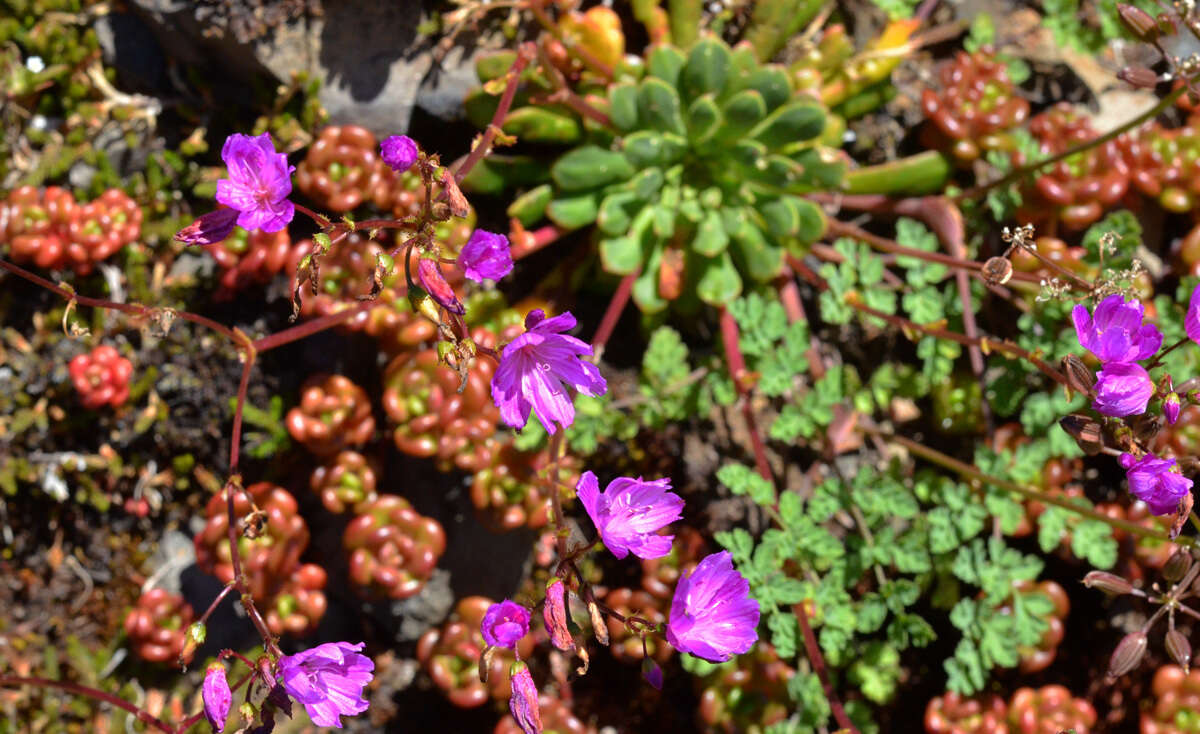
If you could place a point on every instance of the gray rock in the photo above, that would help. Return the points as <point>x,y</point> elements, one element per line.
<point>175,553</point>
<point>448,82</point>
<point>409,618</point>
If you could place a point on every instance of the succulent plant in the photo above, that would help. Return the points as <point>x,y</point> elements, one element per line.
<point>101,377</point>
<point>748,693</point>
<point>973,104</point>
<point>1049,710</point>
<point>450,655</point>
<point>333,413</point>
<point>50,229</point>
<point>1038,658</point>
<point>1176,707</point>
<point>157,625</point>
<point>299,604</point>
<point>953,714</point>
<point>697,185</point>
<point>346,481</point>
<point>254,258</point>
<point>393,549</point>
<point>341,168</point>
<point>626,646</point>
<point>510,491</point>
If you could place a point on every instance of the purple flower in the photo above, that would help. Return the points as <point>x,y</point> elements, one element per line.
<point>554,614</point>
<point>328,679</point>
<point>259,183</point>
<point>217,696</point>
<point>1122,389</point>
<point>1157,482</point>
<point>1117,333</point>
<point>1191,320</point>
<point>434,283</point>
<point>651,672</point>
<point>209,229</point>
<point>629,512</point>
<point>485,255</point>
<point>712,614</point>
<point>536,369</point>
<point>524,701</point>
<point>504,624</point>
<point>1171,407</point>
<point>399,152</point>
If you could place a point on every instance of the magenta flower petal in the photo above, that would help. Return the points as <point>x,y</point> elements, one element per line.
<point>485,256</point>
<point>712,614</point>
<point>1116,333</point>
<point>217,696</point>
<point>259,183</point>
<point>504,624</point>
<point>630,512</point>
<point>1191,321</point>
<point>538,368</point>
<point>1157,482</point>
<point>524,701</point>
<point>328,679</point>
<point>209,229</point>
<point>1122,389</point>
<point>399,152</point>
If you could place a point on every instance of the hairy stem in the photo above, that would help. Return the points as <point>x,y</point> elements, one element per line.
<point>612,314</point>
<point>818,664</point>
<point>524,55</point>
<point>737,368</point>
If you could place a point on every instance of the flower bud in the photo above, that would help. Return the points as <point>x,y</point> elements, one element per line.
<point>1128,654</point>
<point>1179,649</point>
<point>652,673</point>
<point>554,613</point>
<point>485,662</point>
<point>1109,583</point>
<point>424,304</point>
<point>1138,22</point>
<point>524,701</point>
<point>193,638</point>
<point>1177,565</point>
<point>1171,407</point>
<point>599,626</point>
<point>432,280</point>
<point>1139,77</point>
<point>209,229</point>
<point>217,696</point>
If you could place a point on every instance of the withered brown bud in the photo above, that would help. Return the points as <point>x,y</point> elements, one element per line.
<point>1128,654</point>
<point>1146,427</point>
<point>599,626</point>
<point>485,662</point>
<point>997,270</point>
<point>1140,23</point>
<point>1088,433</point>
<point>1110,583</point>
<point>1079,377</point>
<point>1139,77</point>
<point>440,211</point>
<point>1177,565</point>
<point>1179,649</point>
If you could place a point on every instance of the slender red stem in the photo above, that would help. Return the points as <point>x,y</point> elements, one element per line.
<point>737,368</point>
<point>620,299</point>
<point>524,55</point>
<point>818,663</point>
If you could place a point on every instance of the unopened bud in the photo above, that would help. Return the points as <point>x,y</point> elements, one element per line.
<point>485,663</point>
<point>1079,377</point>
<point>651,672</point>
<point>1087,432</point>
<point>209,229</point>
<point>997,270</point>
<point>1171,407</point>
<point>1179,649</point>
<point>424,304</point>
<point>1128,654</point>
<point>599,626</point>
<point>1138,77</point>
<point>1177,565</point>
<point>1139,23</point>
<point>1109,583</point>
<point>247,712</point>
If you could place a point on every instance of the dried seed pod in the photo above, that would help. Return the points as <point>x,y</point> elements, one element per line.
<point>1107,582</point>
<point>1128,653</point>
<point>1177,565</point>
<point>1179,648</point>
<point>1086,431</point>
<point>997,270</point>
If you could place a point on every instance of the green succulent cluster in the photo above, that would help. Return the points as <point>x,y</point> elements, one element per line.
<point>704,168</point>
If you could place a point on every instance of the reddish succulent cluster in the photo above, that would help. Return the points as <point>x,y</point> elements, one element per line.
<point>101,377</point>
<point>1038,658</point>
<point>450,655</point>
<point>157,626</point>
<point>1047,710</point>
<point>1054,250</point>
<point>333,413</point>
<point>341,168</point>
<point>345,482</point>
<point>975,101</point>
<point>50,229</point>
<point>661,575</point>
<point>1176,707</point>
<point>1164,163</point>
<point>557,717</point>
<point>253,258</point>
<point>512,490</point>
<point>393,549</point>
<point>751,695</point>
<point>433,417</point>
<point>272,537</point>
<point>624,644</point>
<point>954,714</point>
<point>1080,188</point>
